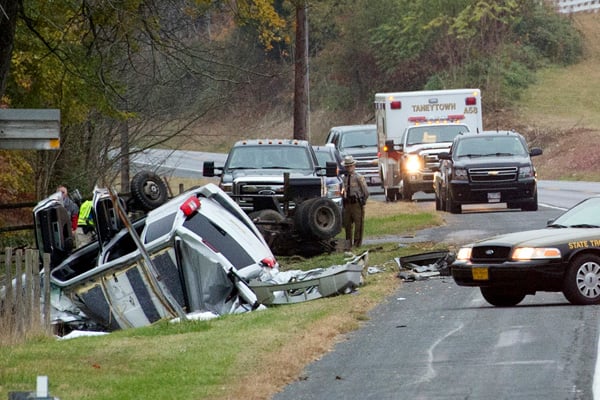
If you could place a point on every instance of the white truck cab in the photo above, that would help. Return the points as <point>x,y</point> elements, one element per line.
<point>413,128</point>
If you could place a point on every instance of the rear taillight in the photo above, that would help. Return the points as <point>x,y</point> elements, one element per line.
<point>190,206</point>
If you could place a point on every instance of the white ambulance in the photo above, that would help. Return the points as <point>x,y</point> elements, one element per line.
<point>413,128</point>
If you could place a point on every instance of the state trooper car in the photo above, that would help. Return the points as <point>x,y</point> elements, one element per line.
<point>563,257</point>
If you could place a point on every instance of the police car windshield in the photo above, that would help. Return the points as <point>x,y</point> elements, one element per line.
<point>434,133</point>
<point>584,215</point>
<point>267,156</point>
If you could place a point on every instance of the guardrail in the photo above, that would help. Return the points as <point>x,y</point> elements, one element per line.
<point>575,6</point>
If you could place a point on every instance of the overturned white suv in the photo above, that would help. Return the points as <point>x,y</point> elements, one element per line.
<point>198,252</point>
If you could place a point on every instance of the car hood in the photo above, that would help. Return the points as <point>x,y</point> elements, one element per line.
<point>276,174</point>
<point>490,162</point>
<point>360,151</point>
<point>541,237</point>
<point>434,147</point>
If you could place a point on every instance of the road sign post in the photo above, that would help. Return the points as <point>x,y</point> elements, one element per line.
<point>29,129</point>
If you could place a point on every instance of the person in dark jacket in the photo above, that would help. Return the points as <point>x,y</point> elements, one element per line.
<point>355,194</point>
<point>71,206</point>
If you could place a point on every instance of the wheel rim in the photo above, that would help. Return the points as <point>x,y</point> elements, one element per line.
<point>151,190</point>
<point>588,279</point>
<point>325,218</point>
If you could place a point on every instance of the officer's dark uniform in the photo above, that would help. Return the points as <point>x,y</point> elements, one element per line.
<point>355,194</point>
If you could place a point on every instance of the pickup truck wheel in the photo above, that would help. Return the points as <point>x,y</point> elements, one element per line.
<point>391,194</point>
<point>407,194</point>
<point>319,217</point>
<point>148,190</point>
<point>582,280</point>
<point>500,297</point>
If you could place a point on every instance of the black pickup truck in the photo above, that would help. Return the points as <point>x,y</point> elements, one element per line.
<point>280,184</point>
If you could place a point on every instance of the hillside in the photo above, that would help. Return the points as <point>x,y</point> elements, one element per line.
<point>559,113</point>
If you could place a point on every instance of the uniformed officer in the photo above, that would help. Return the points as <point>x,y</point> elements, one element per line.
<point>355,193</point>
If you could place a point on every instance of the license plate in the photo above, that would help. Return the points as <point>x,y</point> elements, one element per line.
<point>480,274</point>
<point>494,197</point>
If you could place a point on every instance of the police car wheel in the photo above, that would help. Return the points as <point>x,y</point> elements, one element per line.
<point>148,190</point>
<point>500,297</point>
<point>582,280</point>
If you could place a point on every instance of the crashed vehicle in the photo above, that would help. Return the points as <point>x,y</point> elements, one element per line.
<point>198,252</point>
<point>295,202</point>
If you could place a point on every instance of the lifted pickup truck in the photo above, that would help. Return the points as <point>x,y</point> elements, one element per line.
<point>280,184</point>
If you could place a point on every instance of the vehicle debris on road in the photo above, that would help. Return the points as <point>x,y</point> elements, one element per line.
<point>423,266</point>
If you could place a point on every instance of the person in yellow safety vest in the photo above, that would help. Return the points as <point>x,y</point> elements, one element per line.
<point>85,223</point>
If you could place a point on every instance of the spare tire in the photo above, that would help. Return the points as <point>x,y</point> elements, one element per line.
<point>319,217</point>
<point>148,190</point>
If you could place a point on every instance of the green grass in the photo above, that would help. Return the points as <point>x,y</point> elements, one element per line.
<point>249,355</point>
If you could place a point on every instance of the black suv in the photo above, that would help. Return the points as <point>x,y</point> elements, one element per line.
<point>490,167</point>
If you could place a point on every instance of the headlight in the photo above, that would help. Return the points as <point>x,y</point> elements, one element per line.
<point>533,253</point>
<point>334,190</point>
<point>526,172</point>
<point>460,174</point>
<point>464,254</point>
<point>412,163</point>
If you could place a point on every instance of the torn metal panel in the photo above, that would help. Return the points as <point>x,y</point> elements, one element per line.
<point>299,286</point>
<point>425,265</point>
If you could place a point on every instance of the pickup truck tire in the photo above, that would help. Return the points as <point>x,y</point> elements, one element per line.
<point>391,194</point>
<point>148,190</point>
<point>320,218</point>
<point>407,194</point>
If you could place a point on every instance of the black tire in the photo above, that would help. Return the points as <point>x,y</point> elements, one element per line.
<point>391,194</point>
<point>501,297</point>
<point>438,203</point>
<point>582,280</point>
<point>532,205</point>
<point>407,194</point>
<point>320,218</point>
<point>452,206</point>
<point>267,215</point>
<point>148,190</point>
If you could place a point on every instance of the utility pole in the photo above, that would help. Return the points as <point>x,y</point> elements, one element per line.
<point>301,85</point>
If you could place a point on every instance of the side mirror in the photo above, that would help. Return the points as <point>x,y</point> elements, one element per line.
<point>208,169</point>
<point>444,155</point>
<point>536,151</point>
<point>331,169</point>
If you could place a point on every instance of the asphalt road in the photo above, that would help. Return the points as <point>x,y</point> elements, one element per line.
<point>435,340</point>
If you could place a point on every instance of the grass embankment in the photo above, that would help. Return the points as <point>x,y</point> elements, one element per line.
<point>248,356</point>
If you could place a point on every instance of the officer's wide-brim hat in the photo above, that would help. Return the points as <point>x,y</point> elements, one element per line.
<point>349,160</point>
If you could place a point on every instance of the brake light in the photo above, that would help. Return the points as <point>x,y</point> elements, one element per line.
<point>268,262</point>
<point>396,105</point>
<point>471,101</point>
<point>190,206</point>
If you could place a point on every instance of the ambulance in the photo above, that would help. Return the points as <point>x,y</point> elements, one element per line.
<point>413,128</point>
